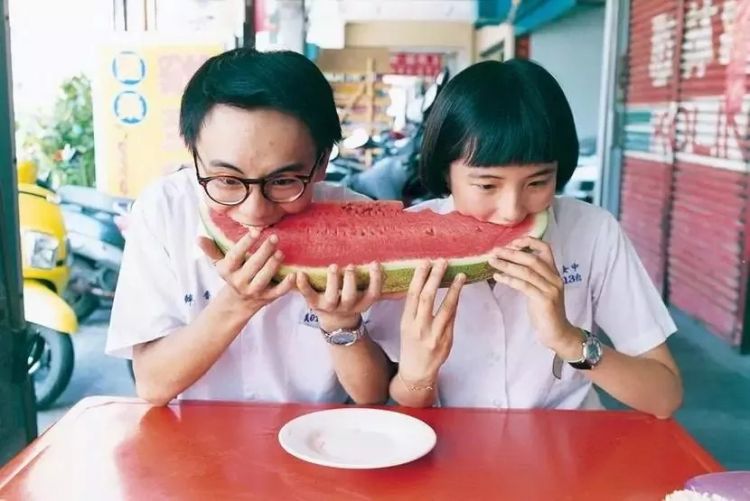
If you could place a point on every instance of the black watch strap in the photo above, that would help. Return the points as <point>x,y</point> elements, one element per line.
<point>584,365</point>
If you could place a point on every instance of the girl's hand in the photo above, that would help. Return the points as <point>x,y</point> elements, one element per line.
<point>426,335</point>
<point>528,266</point>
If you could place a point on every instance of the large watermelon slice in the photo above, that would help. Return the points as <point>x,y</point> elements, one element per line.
<point>361,232</point>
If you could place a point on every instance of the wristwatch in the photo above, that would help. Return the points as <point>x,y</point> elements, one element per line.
<point>591,352</point>
<point>345,337</point>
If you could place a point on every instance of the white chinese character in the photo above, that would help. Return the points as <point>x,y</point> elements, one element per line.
<point>731,131</point>
<point>662,123</point>
<point>698,46</point>
<point>662,49</point>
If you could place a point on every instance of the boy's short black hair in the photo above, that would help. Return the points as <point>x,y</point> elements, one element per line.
<point>493,114</point>
<point>246,78</point>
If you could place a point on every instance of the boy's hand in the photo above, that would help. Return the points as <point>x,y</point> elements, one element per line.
<point>249,277</point>
<point>341,305</point>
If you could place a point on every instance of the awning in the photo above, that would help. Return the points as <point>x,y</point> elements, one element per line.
<point>531,14</point>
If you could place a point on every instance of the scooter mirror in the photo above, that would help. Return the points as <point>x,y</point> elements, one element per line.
<point>68,153</point>
<point>441,77</point>
<point>334,153</point>
<point>357,139</point>
<point>429,97</point>
<point>45,181</point>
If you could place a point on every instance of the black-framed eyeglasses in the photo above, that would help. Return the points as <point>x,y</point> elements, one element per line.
<point>233,190</point>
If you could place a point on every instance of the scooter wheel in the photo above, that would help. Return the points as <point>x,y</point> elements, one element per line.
<point>52,372</point>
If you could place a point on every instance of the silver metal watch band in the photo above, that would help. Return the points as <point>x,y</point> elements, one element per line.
<point>337,336</point>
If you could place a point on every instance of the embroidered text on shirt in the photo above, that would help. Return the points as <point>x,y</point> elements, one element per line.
<point>310,319</point>
<point>570,274</point>
<point>189,299</point>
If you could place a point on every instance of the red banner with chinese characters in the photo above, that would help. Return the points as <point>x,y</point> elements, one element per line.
<point>416,63</point>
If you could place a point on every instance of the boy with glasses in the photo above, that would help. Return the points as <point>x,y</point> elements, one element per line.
<point>200,324</point>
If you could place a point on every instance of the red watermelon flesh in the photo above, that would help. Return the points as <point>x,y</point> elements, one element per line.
<point>358,233</point>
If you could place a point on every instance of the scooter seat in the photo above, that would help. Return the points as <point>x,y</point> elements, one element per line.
<point>93,199</point>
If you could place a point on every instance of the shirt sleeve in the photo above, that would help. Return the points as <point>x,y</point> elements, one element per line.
<point>145,306</point>
<point>626,304</point>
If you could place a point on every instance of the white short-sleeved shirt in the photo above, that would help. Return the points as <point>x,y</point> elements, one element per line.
<point>497,360</point>
<point>165,281</point>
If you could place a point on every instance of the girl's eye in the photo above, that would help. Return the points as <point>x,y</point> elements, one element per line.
<point>484,187</point>
<point>537,184</point>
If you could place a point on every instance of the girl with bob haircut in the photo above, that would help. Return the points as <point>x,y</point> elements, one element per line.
<point>499,144</point>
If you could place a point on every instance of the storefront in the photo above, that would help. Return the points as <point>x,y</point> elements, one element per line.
<point>681,96</point>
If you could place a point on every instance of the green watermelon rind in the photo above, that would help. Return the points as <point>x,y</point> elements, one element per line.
<point>398,274</point>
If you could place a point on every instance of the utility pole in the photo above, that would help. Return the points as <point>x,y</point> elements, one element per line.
<point>17,407</point>
<point>248,27</point>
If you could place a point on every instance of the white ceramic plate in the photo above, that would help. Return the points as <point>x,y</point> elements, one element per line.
<point>357,438</point>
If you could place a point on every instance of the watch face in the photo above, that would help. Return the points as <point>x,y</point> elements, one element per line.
<point>342,338</point>
<point>592,350</point>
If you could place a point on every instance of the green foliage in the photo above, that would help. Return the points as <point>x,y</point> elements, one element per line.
<point>70,126</point>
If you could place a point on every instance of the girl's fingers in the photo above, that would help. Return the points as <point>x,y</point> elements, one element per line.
<point>421,272</point>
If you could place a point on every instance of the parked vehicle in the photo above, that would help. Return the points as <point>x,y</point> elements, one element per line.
<point>586,175</point>
<point>395,175</point>
<point>96,222</point>
<point>45,267</point>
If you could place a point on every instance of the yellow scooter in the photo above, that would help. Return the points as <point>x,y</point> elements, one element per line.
<point>46,261</point>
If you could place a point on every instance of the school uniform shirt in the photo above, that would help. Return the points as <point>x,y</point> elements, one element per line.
<point>166,280</point>
<point>497,359</point>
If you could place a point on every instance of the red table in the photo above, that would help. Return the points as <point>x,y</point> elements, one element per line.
<point>114,448</point>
